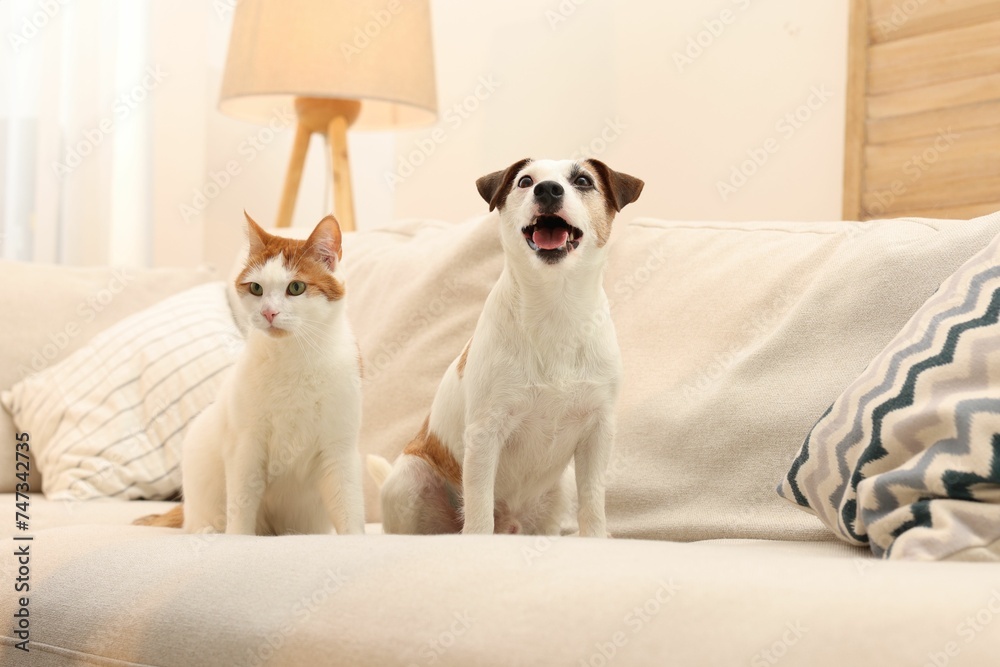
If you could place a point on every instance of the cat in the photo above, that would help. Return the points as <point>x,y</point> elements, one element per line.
<point>276,453</point>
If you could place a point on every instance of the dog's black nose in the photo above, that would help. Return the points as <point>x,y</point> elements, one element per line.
<point>548,192</point>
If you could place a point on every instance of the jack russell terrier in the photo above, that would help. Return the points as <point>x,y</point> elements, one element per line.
<point>536,385</point>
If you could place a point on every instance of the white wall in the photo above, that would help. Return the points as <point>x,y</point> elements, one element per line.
<point>567,71</point>
<point>542,78</point>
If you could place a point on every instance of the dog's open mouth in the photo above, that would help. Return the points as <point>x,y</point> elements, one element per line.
<point>551,235</point>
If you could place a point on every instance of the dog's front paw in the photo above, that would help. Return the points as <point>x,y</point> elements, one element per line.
<point>599,531</point>
<point>480,528</point>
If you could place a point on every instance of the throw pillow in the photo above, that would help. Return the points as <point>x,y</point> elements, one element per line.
<point>108,420</point>
<point>907,459</point>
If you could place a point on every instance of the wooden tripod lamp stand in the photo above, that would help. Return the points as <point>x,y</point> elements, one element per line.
<point>330,118</point>
<point>338,64</point>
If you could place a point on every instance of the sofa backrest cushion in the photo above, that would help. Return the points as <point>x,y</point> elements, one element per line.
<point>907,459</point>
<point>735,338</point>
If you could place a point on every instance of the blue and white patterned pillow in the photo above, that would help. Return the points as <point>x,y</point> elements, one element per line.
<point>907,459</point>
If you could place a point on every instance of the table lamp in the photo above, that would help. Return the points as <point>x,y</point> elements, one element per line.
<point>338,63</point>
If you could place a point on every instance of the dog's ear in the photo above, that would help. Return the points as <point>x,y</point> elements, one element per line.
<point>494,187</point>
<point>619,189</point>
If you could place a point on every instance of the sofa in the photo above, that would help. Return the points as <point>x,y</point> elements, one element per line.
<point>736,336</point>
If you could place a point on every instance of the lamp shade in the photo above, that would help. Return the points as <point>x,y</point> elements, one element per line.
<point>379,52</point>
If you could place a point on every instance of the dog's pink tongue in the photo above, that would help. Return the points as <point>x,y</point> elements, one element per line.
<point>550,239</point>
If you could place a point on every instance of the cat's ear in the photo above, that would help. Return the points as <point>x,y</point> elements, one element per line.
<point>324,242</point>
<point>256,235</point>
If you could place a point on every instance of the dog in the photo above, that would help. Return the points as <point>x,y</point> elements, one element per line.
<point>535,387</point>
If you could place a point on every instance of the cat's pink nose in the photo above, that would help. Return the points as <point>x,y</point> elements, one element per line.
<point>269,315</point>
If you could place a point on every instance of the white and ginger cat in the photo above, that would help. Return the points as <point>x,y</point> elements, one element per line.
<point>276,453</point>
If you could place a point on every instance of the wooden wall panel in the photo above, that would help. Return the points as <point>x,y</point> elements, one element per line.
<point>893,20</point>
<point>923,109</point>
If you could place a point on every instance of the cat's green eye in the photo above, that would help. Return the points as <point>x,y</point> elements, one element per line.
<point>256,289</point>
<point>296,287</point>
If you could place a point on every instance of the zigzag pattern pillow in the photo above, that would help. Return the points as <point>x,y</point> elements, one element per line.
<point>907,459</point>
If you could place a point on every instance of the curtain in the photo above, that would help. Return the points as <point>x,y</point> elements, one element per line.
<point>112,148</point>
<point>75,131</point>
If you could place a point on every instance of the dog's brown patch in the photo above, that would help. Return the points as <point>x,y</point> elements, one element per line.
<point>428,447</point>
<point>172,519</point>
<point>310,261</point>
<point>617,190</point>
<point>464,358</point>
<point>495,187</point>
<point>600,217</point>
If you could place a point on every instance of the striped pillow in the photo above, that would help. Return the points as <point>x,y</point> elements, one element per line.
<point>108,420</point>
<point>907,459</point>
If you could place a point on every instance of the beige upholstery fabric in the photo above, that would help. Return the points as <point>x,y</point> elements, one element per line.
<point>905,460</point>
<point>46,514</point>
<point>736,346</point>
<point>414,294</point>
<point>55,310</point>
<point>147,596</point>
<point>735,338</point>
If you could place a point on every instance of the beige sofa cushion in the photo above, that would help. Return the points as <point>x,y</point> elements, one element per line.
<point>735,338</point>
<point>107,595</point>
<point>55,310</point>
<point>46,513</point>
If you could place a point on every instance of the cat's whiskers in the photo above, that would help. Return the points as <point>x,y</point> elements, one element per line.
<point>308,334</point>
